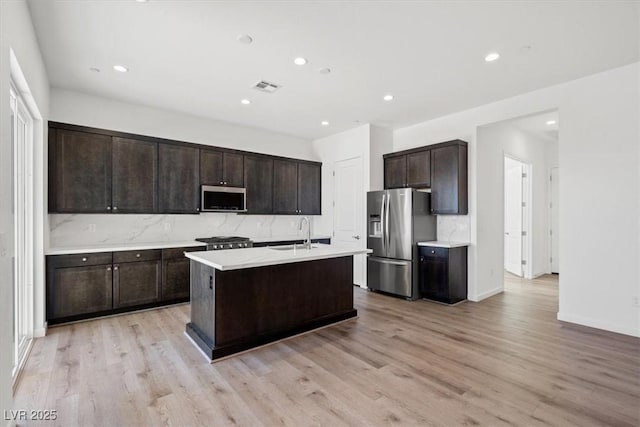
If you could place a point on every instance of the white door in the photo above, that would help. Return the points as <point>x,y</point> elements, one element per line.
<point>555,229</point>
<point>348,213</point>
<point>513,216</point>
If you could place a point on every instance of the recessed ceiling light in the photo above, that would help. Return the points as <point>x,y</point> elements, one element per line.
<point>492,57</point>
<point>94,69</point>
<point>388,97</point>
<point>245,102</point>
<point>551,122</point>
<point>245,38</point>
<point>324,123</point>
<point>325,70</point>
<point>300,61</point>
<point>120,68</point>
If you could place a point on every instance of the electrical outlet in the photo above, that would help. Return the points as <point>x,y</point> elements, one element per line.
<point>92,228</point>
<point>636,301</point>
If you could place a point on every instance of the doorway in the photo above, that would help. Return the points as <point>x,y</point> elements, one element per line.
<point>22,198</point>
<point>517,215</point>
<point>348,211</point>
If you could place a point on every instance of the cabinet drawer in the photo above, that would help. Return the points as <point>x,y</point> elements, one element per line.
<point>79,260</point>
<point>434,252</point>
<point>173,253</point>
<point>133,256</point>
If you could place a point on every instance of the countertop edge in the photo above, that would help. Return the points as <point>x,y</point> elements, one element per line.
<point>121,247</point>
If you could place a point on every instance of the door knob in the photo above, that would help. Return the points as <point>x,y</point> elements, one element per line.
<point>357,237</point>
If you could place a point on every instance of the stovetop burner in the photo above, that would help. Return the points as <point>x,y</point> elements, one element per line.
<point>226,242</point>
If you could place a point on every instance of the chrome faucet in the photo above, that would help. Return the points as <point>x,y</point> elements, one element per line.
<point>307,242</point>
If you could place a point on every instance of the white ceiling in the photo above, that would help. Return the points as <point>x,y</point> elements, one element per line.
<point>184,56</point>
<point>536,124</point>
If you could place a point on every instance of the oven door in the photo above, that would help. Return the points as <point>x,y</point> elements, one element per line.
<point>223,199</point>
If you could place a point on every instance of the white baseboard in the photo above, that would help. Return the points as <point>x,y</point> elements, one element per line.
<point>485,295</point>
<point>41,332</point>
<point>598,324</point>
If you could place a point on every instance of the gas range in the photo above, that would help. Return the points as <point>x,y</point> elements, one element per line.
<point>226,242</point>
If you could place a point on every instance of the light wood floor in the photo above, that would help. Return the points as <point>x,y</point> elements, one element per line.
<point>504,361</point>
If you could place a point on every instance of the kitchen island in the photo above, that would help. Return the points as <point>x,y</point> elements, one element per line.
<point>244,298</point>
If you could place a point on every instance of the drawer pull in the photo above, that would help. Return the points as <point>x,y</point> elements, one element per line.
<point>84,259</point>
<point>433,252</point>
<point>115,267</point>
<point>137,255</point>
<point>108,268</point>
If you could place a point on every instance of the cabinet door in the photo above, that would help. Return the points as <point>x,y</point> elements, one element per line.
<point>419,169</point>
<point>82,172</point>
<point>73,291</point>
<point>309,189</point>
<point>211,167</point>
<point>434,279</point>
<point>136,283</point>
<point>179,178</point>
<point>175,279</point>
<point>233,166</point>
<point>449,180</point>
<point>258,179</point>
<point>135,176</point>
<point>395,172</point>
<point>285,187</point>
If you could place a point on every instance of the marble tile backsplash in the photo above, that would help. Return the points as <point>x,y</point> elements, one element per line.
<point>454,228</point>
<point>83,229</point>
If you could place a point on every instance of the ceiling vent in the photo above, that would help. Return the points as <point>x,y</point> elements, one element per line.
<point>265,86</point>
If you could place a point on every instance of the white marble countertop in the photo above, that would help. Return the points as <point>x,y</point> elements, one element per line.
<point>443,244</point>
<point>288,238</point>
<point>115,247</point>
<point>235,259</point>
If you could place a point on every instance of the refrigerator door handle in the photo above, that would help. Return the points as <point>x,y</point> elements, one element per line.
<point>388,261</point>
<point>384,232</point>
<point>386,218</point>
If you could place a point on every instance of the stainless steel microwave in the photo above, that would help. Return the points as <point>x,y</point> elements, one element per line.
<point>223,199</point>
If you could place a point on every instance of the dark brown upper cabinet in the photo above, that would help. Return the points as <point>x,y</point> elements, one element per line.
<point>80,172</point>
<point>285,187</point>
<point>221,168</point>
<point>135,176</point>
<point>258,180</point>
<point>309,188</point>
<point>441,167</point>
<point>179,178</point>
<point>419,169</point>
<point>449,179</point>
<point>395,172</point>
<point>408,170</point>
<point>296,188</point>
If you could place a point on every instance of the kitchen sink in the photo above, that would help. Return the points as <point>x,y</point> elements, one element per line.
<point>291,247</point>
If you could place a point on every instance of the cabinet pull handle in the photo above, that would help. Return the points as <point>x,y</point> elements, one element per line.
<point>84,259</point>
<point>220,182</point>
<point>108,268</point>
<point>137,255</point>
<point>115,267</point>
<point>108,208</point>
<point>115,208</point>
<point>433,252</point>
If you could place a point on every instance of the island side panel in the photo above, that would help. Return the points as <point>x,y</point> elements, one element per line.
<point>202,327</point>
<point>273,301</point>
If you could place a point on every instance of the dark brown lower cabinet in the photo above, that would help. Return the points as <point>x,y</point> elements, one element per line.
<point>175,273</point>
<point>443,274</point>
<point>95,284</point>
<point>136,283</point>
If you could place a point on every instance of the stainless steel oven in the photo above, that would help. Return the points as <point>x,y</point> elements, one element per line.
<point>223,199</point>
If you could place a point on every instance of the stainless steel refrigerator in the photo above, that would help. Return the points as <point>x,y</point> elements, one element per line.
<point>397,220</point>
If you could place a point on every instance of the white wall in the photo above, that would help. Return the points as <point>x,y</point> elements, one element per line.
<point>496,141</point>
<point>599,189</point>
<point>381,142</point>
<point>87,110</point>
<point>16,33</point>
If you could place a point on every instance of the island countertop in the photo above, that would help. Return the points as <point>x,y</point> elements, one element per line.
<point>236,259</point>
